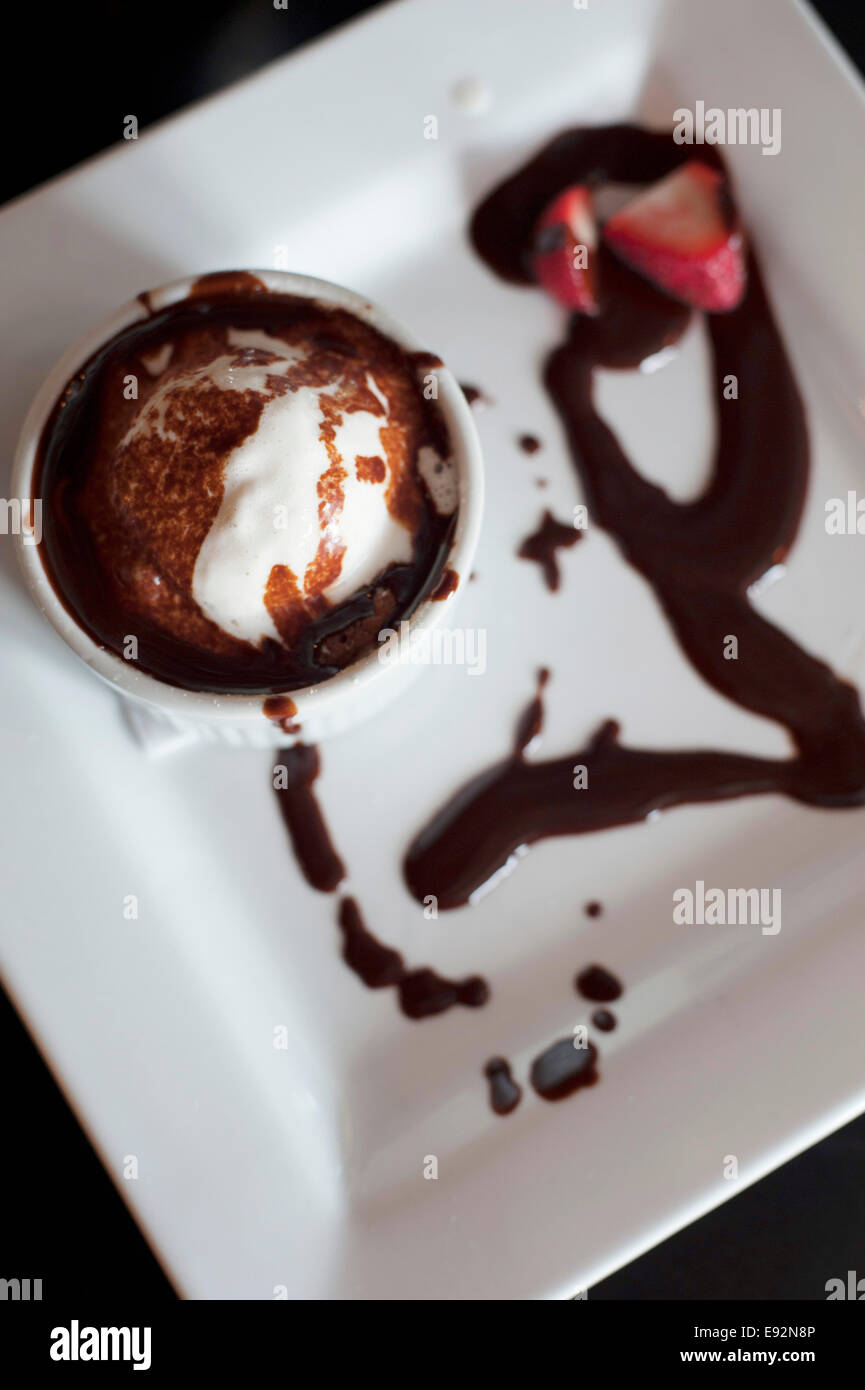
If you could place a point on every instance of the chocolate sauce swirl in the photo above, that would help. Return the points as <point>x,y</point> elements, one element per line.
<point>700,557</point>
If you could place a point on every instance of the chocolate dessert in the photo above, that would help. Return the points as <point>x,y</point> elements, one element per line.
<point>250,484</point>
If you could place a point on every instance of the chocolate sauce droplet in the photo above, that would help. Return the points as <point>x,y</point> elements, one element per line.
<point>426,361</point>
<point>563,1069</point>
<point>298,805</point>
<point>282,709</point>
<point>446,585</point>
<point>593,909</point>
<point>598,984</point>
<point>472,393</point>
<point>218,283</point>
<point>505,1093</point>
<point>603,1019</point>
<point>542,545</point>
<point>529,443</point>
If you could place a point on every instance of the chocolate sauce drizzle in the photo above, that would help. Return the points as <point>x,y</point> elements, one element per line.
<point>422,992</point>
<point>505,1093</point>
<point>699,557</point>
<point>563,1068</point>
<point>541,546</point>
<point>299,808</point>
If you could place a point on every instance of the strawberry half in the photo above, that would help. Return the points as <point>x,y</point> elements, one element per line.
<point>563,250</point>
<point>683,235</point>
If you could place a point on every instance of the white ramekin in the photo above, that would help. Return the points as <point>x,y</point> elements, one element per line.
<point>324,709</point>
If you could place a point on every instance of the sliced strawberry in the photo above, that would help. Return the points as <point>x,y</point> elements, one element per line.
<point>563,250</point>
<point>683,235</point>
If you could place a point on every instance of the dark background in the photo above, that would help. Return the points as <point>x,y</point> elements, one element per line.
<point>85,67</point>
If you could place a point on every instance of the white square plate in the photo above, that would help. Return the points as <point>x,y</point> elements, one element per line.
<point>303,1168</point>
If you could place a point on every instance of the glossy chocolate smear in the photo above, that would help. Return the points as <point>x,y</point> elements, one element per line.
<point>699,557</point>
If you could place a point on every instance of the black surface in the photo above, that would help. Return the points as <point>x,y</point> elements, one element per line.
<point>61,1219</point>
<point>101,60</point>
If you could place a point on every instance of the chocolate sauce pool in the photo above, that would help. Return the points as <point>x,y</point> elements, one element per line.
<point>87,558</point>
<point>699,557</point>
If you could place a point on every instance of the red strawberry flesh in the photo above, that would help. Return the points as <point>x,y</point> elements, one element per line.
<point>564,249</point>
<point>683,235</point>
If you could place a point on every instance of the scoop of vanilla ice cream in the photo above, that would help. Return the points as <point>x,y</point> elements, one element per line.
<point>273,510</point>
